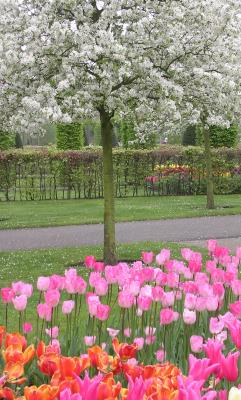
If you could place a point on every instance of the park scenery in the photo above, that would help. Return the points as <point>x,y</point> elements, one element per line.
<point>120,200</point>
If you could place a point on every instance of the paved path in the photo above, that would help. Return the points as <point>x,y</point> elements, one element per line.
<point>194,230</point>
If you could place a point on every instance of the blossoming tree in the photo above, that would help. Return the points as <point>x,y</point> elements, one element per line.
<point>62,60</point>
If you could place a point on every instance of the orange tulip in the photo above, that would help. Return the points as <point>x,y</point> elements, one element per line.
<point>7,394</point>
<point>98,358</point>
<point>2,334</point>
<point>123,350</point>
<point>15,338</point>
<point>43,392</point>
<point>49,363</point>
<point>40,350</point>
<point>13,353</point>
<point>14,370</point>
<point>108,389</point>
<point>28,354</point>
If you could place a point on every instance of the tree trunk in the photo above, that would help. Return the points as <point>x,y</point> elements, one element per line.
<point>109,202</point>
<point>209,169</point>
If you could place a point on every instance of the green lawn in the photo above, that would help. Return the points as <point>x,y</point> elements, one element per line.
<point>28,265</point>
<point>68,212</point>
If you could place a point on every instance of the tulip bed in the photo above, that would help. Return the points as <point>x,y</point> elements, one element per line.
<point>157,329</point>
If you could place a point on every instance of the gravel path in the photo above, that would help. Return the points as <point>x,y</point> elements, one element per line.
<point>194,230</point>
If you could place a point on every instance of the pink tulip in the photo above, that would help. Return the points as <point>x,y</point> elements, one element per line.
<point>80,285</point>
<point>147,257</point>
<point>186,253</point>
<point>157,293</point>
<point>69,286</point>
<point>150,339</point>
<point>89,340</point>
<point>168,299</point>
<point>189,317</point>
<point>196,343</point>
<point>160,355</point>
<point>52,297</point>
<point>43,283</point>
<point>90,261</point>
<point>215,325</point>
<point>163,256</point>
<point>99,266</point>
<point>27,327</point>
<point>7,295</point>
<point>213,350</point>
<point>201,304</point>
<point>113,332</point>
<point>127,332</point>
<point>125,299</point>
<point>236,287</point>
<point>101,287</point>
<point>137,388</point>
<point>144,303</point>
<point>111,274</point>
<point>189,389</point>
<point>88,387</point>
<point>68,306</point>
<point>212,303</point>
<point>212,244</point>
<point>229,367</point>
<point>149,330</point>
<point>222,336</point>
<point>103,312</point>
<point>54,347</point>
<point>238,252</point>
<point>71,273</point>
<point>20,302</point>
<point>57,282</point>
<point>190,301</point>
<point>139,341</point>
<point>235,308</point>
<point>54,332</point>
<point>94,277</point>
<point>201,369</point>
<point>66,394</point>
<point>93,301</point>
<point>17,287</point>
<point>44,311</point>
<point>167,316</point>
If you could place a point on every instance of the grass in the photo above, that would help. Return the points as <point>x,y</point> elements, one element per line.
<point>73,212</point>
<point>28,265</point>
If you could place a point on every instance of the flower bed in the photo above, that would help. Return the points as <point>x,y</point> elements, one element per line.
<point>157,329</point>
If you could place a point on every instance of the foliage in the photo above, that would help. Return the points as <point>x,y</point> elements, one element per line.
<point>189,136</point>
<point>221,137</point>
<point>50,174</point>
<point>70,136</point>
<point>7,140</point>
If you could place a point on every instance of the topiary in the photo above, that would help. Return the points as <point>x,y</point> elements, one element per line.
<point>221,137</point>
<point>70,136</point>
<point>189,136</point>
<point>7,140</point>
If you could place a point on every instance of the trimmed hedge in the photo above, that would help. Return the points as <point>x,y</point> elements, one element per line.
<point>7,140</point>
<point>48,174</point>
<point>70,136</point>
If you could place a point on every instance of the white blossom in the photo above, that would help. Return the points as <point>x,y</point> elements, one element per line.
<point>158,62</point>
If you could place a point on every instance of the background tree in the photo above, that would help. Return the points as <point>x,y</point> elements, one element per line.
<point>64,60</point>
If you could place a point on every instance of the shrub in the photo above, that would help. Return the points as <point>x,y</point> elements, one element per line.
<point>7,140</point>
<point>70,136</point>
<point>221,137</point>
<point>49,174</point>
<point>189,136</point>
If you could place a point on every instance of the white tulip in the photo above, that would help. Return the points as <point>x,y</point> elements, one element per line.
<point>234,394</point>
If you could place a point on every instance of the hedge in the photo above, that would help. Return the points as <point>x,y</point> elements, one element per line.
<point>48,174</point>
